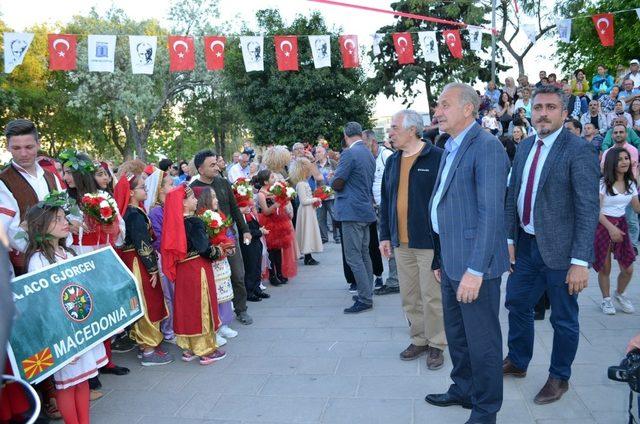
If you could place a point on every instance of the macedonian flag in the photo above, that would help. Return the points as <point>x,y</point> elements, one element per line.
<point>37,363</point>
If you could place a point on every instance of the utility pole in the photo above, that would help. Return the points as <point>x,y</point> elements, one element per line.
<point>493,40</point>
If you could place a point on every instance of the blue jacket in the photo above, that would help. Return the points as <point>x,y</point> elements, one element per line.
<point>601,82</point>
<point>471,210</point>
<point>356,168</point>
<point>422,179</point>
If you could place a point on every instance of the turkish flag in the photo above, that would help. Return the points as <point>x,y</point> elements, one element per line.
<point>181,53</point>
<point>286,52</point>
<point>214,52</point>
<point>604,26</point>
<point>62,52</point>
<point>349,51</point>
<point>404,47</point>
<point>452,38</point>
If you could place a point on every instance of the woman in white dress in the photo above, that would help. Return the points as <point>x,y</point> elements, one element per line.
<point>307,228</point>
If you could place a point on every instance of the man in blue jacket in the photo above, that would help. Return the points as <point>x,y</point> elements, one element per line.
<point>353,207</point>
<point>408,181</point>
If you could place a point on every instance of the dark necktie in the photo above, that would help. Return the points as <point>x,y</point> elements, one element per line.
<point>528,194</point>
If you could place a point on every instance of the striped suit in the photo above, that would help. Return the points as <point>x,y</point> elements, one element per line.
<point>470,215</point>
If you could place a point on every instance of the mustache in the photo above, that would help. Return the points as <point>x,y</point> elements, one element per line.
<point>543,120</point>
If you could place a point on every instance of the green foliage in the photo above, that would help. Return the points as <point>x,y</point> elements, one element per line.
<point>399,81</point>
<point>585,50</point>
<point>286,107</point>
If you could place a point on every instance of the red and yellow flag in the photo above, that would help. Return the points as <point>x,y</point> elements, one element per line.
<point>37,363</point>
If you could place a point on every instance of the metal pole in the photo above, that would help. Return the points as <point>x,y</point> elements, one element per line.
<point>493,40</point>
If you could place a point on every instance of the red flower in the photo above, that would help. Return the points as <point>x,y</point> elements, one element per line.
<point>106,212</point>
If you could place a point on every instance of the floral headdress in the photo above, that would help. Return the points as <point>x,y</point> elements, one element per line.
<point>70,159</point>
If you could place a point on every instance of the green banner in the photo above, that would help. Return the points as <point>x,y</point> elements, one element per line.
<point>67,308</point>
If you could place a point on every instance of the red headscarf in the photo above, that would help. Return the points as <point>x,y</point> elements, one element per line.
<point>173,246</point>
<point>122,193</point>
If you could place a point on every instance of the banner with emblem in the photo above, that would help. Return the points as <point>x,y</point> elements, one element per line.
<point>67,308</point>
<point>101,52</point>
<point>16,45</point>
<point>142,49</point>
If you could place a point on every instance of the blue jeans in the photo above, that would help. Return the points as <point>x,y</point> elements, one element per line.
<point>531,277</point>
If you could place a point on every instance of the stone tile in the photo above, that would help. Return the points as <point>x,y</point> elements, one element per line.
<point>370,411</point>
<point>198,406</point>
<point>176,420</point>
<point>318,365</point>
<point>266,365</point>
<point>604,398</point>
<point>376,366</point>
<point>316,349</point>
<point>400,387</point>
<point>230,384</point>
<point>106,417</point>
<point>348,335</point>
<point>426,413</point>
<point>514,412</point>
<point>157,404</point>
<point>310,386</point>
<point>268,408</point>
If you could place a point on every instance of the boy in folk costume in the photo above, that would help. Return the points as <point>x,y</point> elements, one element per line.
<point>138,254</point>
<point>187,257</point>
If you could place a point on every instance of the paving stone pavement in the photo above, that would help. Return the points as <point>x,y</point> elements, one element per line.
<point>304,361</point>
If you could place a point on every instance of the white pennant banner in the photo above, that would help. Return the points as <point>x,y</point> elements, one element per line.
<point>475,39</point>
<point>530,31</point>
<point>638,12</point>
<point>142,49</point>
<point>564,29</point>
<point>429,46</point>
<point>16,45</point>
<point>102,53</point>
<point>321,50</point>
<point>252,52</point>
<point>376,39</point>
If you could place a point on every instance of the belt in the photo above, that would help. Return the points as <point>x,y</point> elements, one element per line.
<point>527,235</point>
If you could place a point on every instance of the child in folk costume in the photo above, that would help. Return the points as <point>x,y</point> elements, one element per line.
<point>104,177</point>
<point>252,253</point>
<point>162,186</point>
<point>307,228</point>
<point>276,218</point>
<point>47,229</point>
<point>207,200</point>
<point>79,173</point>
<point>138,255</point>
<point>187,257</point>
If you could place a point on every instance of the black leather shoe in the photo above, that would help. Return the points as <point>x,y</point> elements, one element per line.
<point>445,399</point>
<point>263,295</point>
<point>310,261</point>
<point>115,370</point>
<point>252,297</point>
<point>386,290</point>
<point>282,279</point>
<point>357,308</point>
<point>275,281</point>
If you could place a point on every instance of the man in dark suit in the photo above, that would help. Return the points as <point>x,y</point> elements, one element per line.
<point>552,210</point>
<point>467,216</point>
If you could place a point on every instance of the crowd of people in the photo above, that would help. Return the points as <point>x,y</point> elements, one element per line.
<point>451,207</point>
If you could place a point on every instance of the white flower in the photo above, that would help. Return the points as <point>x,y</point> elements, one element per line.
<point>242,190</point>
<point>290,191</point>
<point>104,204</point>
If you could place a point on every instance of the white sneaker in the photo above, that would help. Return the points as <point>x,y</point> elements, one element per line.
<point>624,302</point>
<point>262,287</point>
<point>220,341</point>
<point>227,332</point>
<point>607,306</point>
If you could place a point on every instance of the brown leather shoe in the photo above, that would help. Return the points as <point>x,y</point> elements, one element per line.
<point>413,352</point>
<point>509,369</point>
<point>435,358</point>
<point>552,391</point>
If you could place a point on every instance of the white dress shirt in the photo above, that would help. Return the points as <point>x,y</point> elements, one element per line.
<point>544,152</point>
<point>9,210</point>
<point>237,171</point>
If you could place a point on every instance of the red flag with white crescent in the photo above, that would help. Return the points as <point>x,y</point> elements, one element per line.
<point>349,51</point>
<point>214,52</point>
<point>286,52</point>
<point>181,53</point>
<point>452,38</point>
<point>62,52</point>
<point>404,47</point>
<point>604,26</point>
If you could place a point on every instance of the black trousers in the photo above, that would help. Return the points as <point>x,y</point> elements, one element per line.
<point>374,253</point>
<point>252,259</point>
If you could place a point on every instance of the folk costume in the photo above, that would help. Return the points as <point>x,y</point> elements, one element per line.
<point>139,256</point>
<point>187,258</point>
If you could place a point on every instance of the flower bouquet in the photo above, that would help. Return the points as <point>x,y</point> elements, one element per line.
<point>100,213</point>
<point>243,192</point>
<point>282,192</point>
<point>322,193</point>
<point>217,224</point>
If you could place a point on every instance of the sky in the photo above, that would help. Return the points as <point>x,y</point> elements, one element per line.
<point>352,21</point>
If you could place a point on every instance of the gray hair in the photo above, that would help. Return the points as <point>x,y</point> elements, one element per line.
<point>467,95</point>
<point>369,135</point>
<point>411,118</point>
<point>352,129</point>
<point>551,89</point>
<point>297,145</point>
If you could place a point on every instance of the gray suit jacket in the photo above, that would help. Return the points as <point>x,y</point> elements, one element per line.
<point>567,206</point>
<point>471,210</point>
